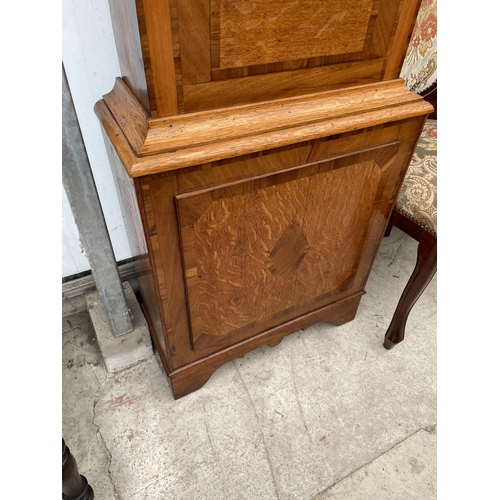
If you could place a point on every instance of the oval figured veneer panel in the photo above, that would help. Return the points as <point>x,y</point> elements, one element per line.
<point>269,31</point>
<point>260,250</point>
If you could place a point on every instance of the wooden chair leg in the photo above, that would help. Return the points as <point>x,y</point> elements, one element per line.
<point>74,486</point>
<point>425,269</point>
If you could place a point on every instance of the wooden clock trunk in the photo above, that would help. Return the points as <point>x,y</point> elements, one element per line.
<point>259,149</point>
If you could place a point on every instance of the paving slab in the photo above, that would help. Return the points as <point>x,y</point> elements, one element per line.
<point>83,373</point>
<point>408,471</point>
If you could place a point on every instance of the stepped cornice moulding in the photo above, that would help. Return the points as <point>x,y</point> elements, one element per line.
<point>148,145</point>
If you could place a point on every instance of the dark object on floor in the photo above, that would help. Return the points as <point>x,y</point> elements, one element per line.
<point>74,485</point>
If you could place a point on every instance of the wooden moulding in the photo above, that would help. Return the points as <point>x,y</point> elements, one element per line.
<point>148,145</point>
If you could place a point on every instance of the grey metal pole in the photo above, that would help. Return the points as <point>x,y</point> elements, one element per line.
<point>84,200</point>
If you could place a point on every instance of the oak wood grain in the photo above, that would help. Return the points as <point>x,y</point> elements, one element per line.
<point>148,136</point>
<point>198,155</point>
<point>265,87</point>
<point>222,124</point>
<point>199,137</point>
<point>303,255</point>
<point>166,252</point>
<point>261,51</point>
<point>287,64</point>
<point>192,55</point>
<point>263,238</point>
<point>267,31</point>
<point>266,154</point>
<point>128,113</point>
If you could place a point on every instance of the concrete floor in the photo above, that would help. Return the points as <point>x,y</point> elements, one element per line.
<point>327,414</point>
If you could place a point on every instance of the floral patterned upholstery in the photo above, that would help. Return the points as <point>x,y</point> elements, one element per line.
<point>418,196</point>
<point>420,65</point>
<point>417,199</point>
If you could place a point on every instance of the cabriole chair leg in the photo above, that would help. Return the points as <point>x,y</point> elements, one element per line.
<point>424,271</point>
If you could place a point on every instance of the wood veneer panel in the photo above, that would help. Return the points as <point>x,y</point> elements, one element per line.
<point>385,27</point>
<point>189,55</point>
<point>258,249</point>
<point>258,88</point>
<point>194,37</point>
<point>160,49</point>
<point>160,222</point>
<point>268,31</point>
<point>233,169</point>
<point>337,145</point>
<point>227,249</point>
<point>261,50</point>
<point>264,162</point>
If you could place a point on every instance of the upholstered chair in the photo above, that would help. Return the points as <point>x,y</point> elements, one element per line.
<point>415,211</point>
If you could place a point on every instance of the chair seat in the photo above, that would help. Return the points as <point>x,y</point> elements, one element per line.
<point>417,199</point>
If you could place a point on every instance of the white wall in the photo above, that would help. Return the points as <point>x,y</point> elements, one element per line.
<point>91,63</point>
<point>73,259</point>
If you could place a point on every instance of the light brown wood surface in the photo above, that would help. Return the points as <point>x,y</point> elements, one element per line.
<point>203,139</point>
<point>194,55</point>
<point>194,38</point>
<point>267,31</point>
<point>160,49</point>
<point>296,226</point>
<point>263,238</point>
<point>257,165</point>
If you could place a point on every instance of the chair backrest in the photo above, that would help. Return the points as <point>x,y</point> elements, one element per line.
<point>420,65</point>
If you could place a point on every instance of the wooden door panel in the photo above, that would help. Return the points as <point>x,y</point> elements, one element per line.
<point>255,32</point>
<point>258,251</point>
<point>186,55</point>
<point>230,52</point>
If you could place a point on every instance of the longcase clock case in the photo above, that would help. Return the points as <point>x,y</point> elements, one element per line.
<point>259,149</point>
